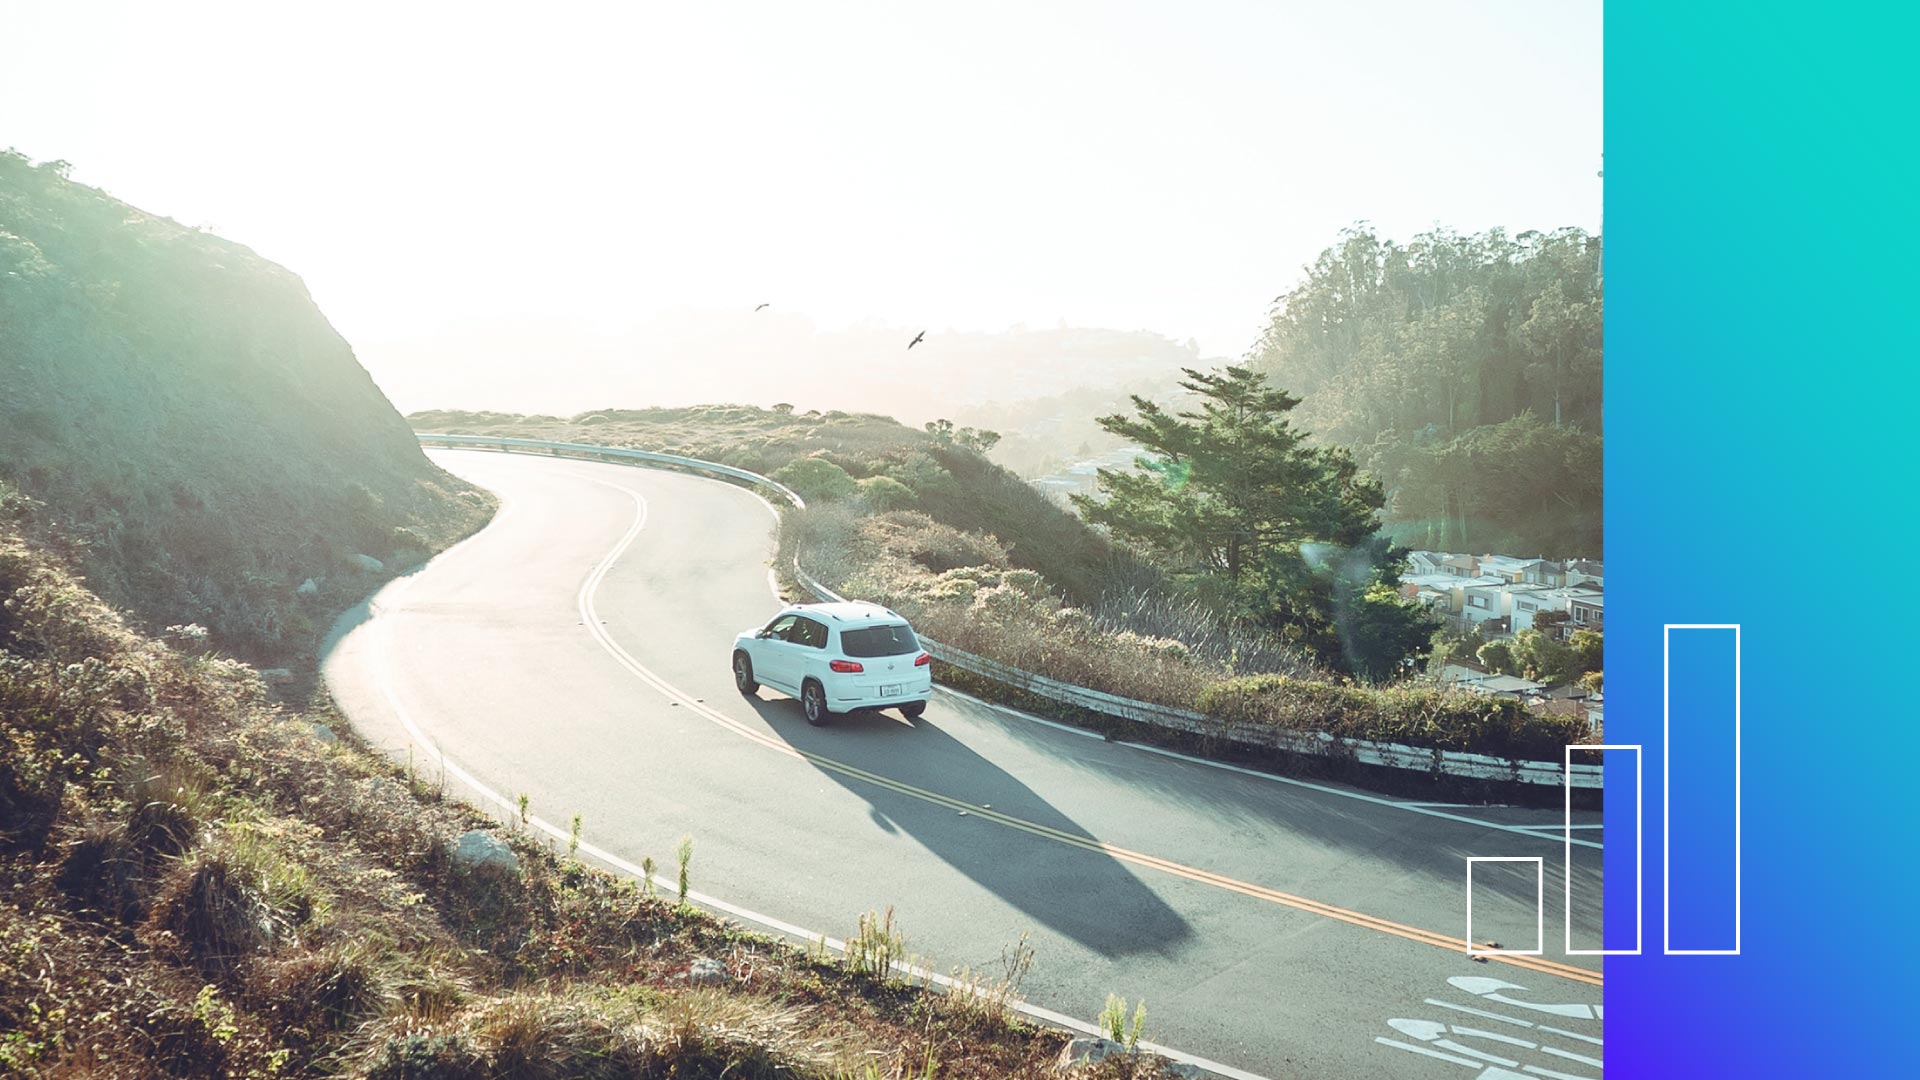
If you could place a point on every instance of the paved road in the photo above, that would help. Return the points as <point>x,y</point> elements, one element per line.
<point>576,650</point>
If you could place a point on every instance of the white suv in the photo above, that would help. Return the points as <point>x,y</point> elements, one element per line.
<point>837,658</point>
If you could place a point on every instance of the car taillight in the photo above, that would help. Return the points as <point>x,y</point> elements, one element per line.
<point>923,660</point>
<point>846,667</point>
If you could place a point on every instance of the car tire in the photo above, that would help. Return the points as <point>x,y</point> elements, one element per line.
<point>813,703</point>
<point>743,674</point>
<point>912,710</point>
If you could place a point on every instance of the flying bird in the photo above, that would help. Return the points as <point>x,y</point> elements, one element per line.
<point>918,339</point>
<point>761,306</point>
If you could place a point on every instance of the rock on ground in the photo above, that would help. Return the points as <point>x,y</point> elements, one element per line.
<point>707,971</point>
<point>480,848</point>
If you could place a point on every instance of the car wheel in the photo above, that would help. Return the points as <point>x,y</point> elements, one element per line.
<point>813,702</point>
<point>743,674</point>
<point>912,709</point>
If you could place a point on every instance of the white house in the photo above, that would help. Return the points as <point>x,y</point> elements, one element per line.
<point>1483,600</point>
<point>1526,601</point>
<point>1586,609</point>
<point>1544,572</point>
<point>1440,592</point>
<point>1505,566</point>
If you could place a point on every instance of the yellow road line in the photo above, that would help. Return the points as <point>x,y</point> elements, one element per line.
<point>591,619</point>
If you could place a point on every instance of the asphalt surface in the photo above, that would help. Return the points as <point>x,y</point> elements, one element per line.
<point>576,650</point>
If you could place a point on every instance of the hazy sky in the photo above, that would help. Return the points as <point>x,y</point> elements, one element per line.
<point>436,171</point>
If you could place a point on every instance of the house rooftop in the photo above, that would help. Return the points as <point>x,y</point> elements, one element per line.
<point>1469,679</point>
<point>1506,560</point>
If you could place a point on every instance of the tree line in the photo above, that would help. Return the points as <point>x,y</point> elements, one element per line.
<point>1463,371</point>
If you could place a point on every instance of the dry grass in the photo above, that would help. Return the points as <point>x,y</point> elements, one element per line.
<point>195,885</point>
<point>961,589</point>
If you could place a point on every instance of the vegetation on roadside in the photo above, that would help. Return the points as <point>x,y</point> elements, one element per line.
<point>212,450</point>
<point>197,882</point>
<point>1408,714</point>
<point>959,589</point>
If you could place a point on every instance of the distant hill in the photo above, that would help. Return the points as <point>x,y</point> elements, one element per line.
<point>689,357</point>
<point>192,425</point>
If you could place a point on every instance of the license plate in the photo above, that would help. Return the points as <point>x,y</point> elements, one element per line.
<point>890,691</point>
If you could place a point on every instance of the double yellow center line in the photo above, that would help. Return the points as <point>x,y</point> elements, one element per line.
<point>590,618</point>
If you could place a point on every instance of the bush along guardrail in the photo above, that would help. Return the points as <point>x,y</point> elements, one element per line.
<point>1261,712</point>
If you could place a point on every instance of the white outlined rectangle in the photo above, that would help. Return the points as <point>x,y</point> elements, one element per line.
<point>1639,853</point>
<point>1539,905</point>
<point>1666,788</point>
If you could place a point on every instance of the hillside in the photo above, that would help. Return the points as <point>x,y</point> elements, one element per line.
<point>195,882</point>
<point>942,478</point>
<point>204,439</point>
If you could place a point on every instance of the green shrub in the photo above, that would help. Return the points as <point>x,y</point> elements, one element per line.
<point>882,493</point>
<point>233,897</point>
<point>429,1055</point>
<point>1411,715</point>
<point>816,479</point>
<point>103,873</point>
<point>327,990</point>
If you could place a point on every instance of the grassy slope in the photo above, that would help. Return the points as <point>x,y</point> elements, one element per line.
<point>193,883</point>
<point>201,432</point>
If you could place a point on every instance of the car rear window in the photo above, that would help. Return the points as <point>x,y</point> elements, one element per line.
<point>894,640</point>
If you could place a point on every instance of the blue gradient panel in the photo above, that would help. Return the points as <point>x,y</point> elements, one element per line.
<point>1761,395</point>
<point>1622,923</point>
<point>1702,787</point>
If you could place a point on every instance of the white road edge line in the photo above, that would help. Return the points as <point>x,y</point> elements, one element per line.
<point>510,809</point>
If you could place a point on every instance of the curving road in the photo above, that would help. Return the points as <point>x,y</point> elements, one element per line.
<point>576,650</point>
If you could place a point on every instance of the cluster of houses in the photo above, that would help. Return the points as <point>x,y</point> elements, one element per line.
<point>1502,595</point>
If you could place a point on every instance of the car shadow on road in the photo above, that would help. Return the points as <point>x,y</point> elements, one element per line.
<point>1423,851</point>
<point>1088,896</point>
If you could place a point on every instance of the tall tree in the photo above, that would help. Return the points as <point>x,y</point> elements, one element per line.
<point>1236,500</point>
<point>1563,339</point>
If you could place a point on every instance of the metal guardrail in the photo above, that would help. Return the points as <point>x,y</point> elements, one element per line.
<point>1453,763</point>
<point>611,453</point>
